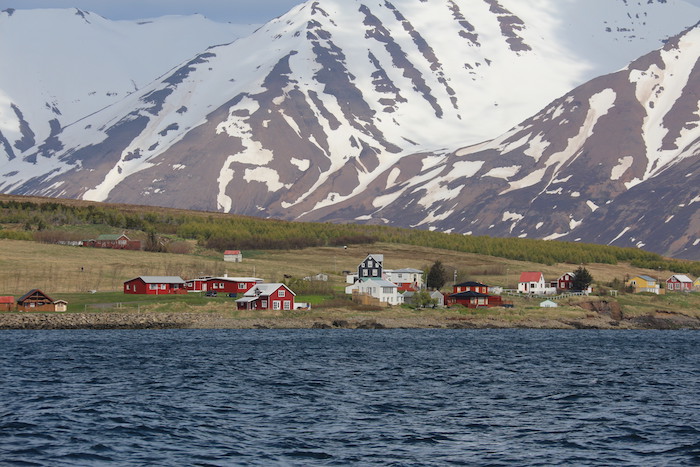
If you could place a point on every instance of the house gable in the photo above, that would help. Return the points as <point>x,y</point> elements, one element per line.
<point>371,267</point>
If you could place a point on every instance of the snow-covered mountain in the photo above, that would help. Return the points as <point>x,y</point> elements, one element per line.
<point>351,111</point>
<point>615,161</point>
<point>61,66</point>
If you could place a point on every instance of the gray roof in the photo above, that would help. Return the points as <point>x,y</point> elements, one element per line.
<point>266,289</point>
<point>681,278</point>
<point>408,271</point>
<point>161,279</point>
<point>379,282</point>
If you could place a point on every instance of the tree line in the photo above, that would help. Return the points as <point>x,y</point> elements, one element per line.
<point>25,219</point>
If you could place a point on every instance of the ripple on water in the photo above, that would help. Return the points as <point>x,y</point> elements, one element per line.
<point>339,397</point>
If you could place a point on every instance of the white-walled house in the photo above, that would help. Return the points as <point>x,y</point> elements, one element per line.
<point>406,278</point>
<point>381,289</point>
<point>534,283</point>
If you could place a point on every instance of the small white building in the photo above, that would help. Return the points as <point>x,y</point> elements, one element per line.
<point>385,291</point>
<point>548,304</point>
<point>233,256</point>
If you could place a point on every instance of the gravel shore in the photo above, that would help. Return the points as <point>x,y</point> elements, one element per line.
<point>336,319</point>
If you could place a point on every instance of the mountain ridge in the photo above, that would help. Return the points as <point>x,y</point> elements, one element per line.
<point>344,103</point>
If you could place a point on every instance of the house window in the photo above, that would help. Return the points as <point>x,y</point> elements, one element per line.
<point>370,264</point>
<point>162,286</point>
<point>221,285</point>
<point>128,287</point>
<point>287,305</point>
<point>280,293</point>
<point>276,305</point>
<point>241,285</point>
<point>153,286</point>
<point>374,272</point>
<point>387,290</point>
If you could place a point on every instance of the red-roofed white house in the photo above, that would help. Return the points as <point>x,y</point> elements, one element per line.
<point>679,283</point>
<point>233,256</point>
<point>534,283</point>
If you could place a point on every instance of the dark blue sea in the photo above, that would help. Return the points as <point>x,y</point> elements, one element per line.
<point>350,397</point>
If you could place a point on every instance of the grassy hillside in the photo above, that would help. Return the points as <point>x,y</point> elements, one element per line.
<point>50,220</point>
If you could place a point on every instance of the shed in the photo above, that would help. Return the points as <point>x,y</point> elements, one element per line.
<point>233,256</point>
<point>549,304</point>
<point>7,303</point>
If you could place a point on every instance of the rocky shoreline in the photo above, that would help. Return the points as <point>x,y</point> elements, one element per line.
<point>223,320</point>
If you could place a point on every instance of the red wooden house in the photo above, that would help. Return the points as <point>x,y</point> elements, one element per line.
<point>471,286</point>
<point>475,299</point>
<point>566,281</point>
<point>36,300</point>
<point>267,297</point>
<point>222,284</point>
<point>7,303</point>
<point>155,285</point>
<point>679,283</point>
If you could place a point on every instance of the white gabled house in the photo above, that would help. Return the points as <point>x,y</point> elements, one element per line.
<point>533,283</point>
<point>381,289</point>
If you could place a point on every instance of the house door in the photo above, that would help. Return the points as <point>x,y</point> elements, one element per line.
<point>204,286</point>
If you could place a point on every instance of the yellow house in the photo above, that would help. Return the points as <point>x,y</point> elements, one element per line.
<point>643,284</point>
<point>696,284</point>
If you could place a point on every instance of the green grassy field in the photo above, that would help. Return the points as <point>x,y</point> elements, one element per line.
<point>70,273</point>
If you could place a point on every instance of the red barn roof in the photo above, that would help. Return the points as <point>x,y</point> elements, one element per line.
<point>7,300</point>
<point>232,252</point>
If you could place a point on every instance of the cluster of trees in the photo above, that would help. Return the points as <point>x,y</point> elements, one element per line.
<point>223,231</point>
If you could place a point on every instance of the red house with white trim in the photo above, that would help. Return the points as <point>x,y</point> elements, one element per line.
<point>222,284</point>
<point>267,297</point>
<point>679,283</point>
<point>155,285</point>
<point>566,281</point>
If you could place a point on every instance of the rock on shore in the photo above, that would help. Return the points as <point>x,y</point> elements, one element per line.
<point>602,319</point>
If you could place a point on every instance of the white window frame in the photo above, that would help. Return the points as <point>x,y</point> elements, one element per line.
<point>280,293</point>
<point>287,305</point>
<point>276,305</point>
<point>241,285</point>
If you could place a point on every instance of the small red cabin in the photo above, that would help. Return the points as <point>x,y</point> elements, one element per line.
<point>36,300</point>
<point>267,297</point>
<point>155,285</point>
<point>7,303</point>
